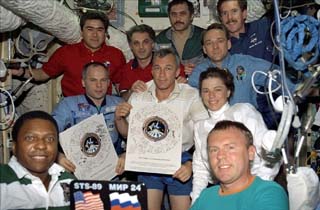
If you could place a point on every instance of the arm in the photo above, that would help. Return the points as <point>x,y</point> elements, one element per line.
<point>37,74</point>
<point>122,111</point>
<point>137,87</point>
<point>270,197</point>
<point>63,115</point>
<point>120,164</point>
<point>66,163</point>
<point>184,172</point>
<point>248,115</point>
<point>201,172</point>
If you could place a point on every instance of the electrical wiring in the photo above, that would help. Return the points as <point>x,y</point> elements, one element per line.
<point>298,6</point>
<point>7,103</point>
<point>271,75</point>
<point>285,103</point>
<point>8,118</point>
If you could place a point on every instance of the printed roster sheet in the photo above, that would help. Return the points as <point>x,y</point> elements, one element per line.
<point>89,146</point>
<point>154,138</point>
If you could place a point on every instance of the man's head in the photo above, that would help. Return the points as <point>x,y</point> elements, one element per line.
<point>95,79</point>
<point>233,14</point>
<point>94,26</point>
<point>141,39</point>
<point>165,69</point>
<point>230,151</point>
<point>35,142</point>
<point>180,14</point>
<point>216,43</point>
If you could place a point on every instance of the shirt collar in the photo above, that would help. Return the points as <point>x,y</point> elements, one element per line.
<point>54,170</point>
<point>169,32</point>
<point>246,29</point>
<point>225,61</point>
<point>88,51</point>
<point>104,102</point>
<point>135,64</point>
<point>152,90</point>
<point>216,114</point>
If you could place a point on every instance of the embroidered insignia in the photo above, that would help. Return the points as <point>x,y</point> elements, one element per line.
<point>66,191</point>
<point>83,107</point>
<point>241,73</point>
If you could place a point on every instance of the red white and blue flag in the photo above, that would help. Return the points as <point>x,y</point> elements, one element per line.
<point>124,201</point>
<point>87,201</point>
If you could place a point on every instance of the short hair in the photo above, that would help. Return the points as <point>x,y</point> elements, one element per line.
<point>31,116</point>
<point>143,28</point>
<point>228,124</point>
<point>223,74</point>
<point>90,15</point>
<point>215,26</point>
<point>93,64</point>
<point>175,2</point>
<point>242,4</point>
<point>164,52</point>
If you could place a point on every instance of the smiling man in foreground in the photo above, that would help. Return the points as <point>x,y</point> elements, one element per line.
<point>230,151</point>
<point>31,179</point>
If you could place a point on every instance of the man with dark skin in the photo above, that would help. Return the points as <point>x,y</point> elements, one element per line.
<point>31,179</point>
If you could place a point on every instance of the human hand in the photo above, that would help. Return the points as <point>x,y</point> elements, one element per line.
<point>182,79</point>
<point>188,68</point>
<point>184,172</point>
<point>17,72</point>
<point>120,164</point>
<point>122,110</point>
<point>64,162</point>
<point>139,86</point>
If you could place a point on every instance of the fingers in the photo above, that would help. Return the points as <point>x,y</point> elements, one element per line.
<point>122,110</point>
<point>184,172</point>
<point>181,79</point>
<point>188,68</point>
<point>70,166</point>
<point>120,164</point>
<point>17,72</point>
<point>67,164</point>
<point>139,86</point>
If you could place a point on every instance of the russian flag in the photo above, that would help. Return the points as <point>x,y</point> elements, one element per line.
<point>124,201</point>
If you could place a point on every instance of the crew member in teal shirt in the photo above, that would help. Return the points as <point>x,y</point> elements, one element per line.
<point>230,151</point>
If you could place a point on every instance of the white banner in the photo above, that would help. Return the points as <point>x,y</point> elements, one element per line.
<point>89,146</point>
<point>154,138</point>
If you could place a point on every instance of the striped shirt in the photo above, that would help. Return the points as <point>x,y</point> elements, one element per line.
<point>19,189</point>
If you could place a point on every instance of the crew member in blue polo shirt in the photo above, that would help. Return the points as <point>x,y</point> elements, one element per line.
<point>216,44</point>
<point>72,110</point>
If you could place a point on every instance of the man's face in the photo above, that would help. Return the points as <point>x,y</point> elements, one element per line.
<point>141,45</point>
<point>164,72</point>
<point>93,34</point>
<point>96,83</point>
<point>233,18</point>
<point>216,45</point>
<point>229,156</point>
<point>180,17</point>
<point>37,146</point>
